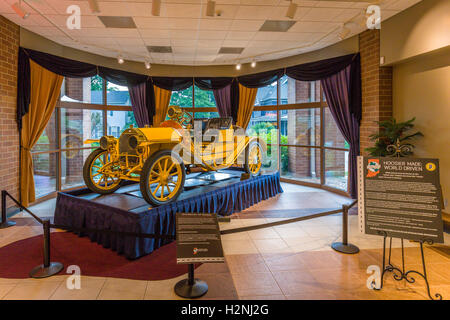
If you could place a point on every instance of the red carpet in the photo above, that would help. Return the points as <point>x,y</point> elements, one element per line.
<point>18,258</point>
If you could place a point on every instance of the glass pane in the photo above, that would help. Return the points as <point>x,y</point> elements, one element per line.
<point>117,95</point>
<point>301,126</point>
<point>264,125</point>
<point>293,91</point>
<point>300,163</point>
<point>77,125</point>
<point>118,121</point>
<point>336,169</point>
<point>333,137</point>
<point>206,115</point>
<point>267,96</point>
<point>82,90</point>
<point>48,139</point>
<point>204,98</point>
<point>44,168</point>
<point>72,167</point>
<point>182,98</point>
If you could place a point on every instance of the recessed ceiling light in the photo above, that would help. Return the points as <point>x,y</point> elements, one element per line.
<point>147,64</point>
<point>238,66</point>
<point>120,59</point>
<point>253,64</point>
<point>292,9</point>
<point>17,7</point>
<point>159,49</point>
<point>210,8</point>
<point>156,7</point>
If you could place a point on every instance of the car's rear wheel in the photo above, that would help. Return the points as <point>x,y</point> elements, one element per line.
<point>162,178</point>
<point>98,172</point>
<point>253,159</point>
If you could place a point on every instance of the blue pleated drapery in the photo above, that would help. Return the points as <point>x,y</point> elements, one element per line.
<point>76,212</point>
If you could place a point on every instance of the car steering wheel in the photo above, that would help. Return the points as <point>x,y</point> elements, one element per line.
<point>182,117</point>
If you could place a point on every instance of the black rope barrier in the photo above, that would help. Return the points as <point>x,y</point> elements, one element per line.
<point>49,268</point>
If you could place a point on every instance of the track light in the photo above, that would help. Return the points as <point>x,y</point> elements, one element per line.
<point>210,8</point>
<point>120,59</point>
<point>147,64</point>
<point>93,5</point>
<point>290,13</point>
<point>156,7</point>
<point>17,7</point>
<point>344,32</point>
<point>238,66</point>
<point>253,64</point>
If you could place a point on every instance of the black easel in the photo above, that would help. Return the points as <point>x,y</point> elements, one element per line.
<point>398,274</point>
<point>191,288</point>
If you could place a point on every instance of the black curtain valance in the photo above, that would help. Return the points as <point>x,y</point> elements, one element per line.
<point>172,83</point>
<point>261,79</point>
<point>121,78</point>
<point>213,83</point>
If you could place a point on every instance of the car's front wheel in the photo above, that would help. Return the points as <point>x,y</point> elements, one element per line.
<point>98,172</point>
<point>253,159</point>
<point>162,178</point>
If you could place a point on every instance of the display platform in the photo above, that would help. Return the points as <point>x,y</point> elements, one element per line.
<point>126,210</point>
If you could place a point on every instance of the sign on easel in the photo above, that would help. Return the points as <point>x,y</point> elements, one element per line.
<point>400,198</point>
<point>198,238</point>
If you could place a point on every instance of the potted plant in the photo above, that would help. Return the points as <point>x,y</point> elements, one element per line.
<point>394,134</point>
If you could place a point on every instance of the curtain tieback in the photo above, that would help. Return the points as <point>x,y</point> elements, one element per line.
<point>25,148</point>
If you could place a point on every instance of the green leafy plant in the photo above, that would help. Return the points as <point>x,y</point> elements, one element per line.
<point>390,132</point>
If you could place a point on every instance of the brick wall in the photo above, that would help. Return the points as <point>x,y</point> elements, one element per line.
<point>9,136</point>
<point>376,85</point>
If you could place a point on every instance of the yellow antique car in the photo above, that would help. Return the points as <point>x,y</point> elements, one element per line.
<point>158,157</point>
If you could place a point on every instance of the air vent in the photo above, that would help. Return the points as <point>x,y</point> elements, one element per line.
<point>277,25</point>
<point>118,22</point>
<point>159,49</point>
<point>230,50</point>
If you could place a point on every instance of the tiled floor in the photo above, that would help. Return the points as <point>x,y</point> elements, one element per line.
<point>292,261</point>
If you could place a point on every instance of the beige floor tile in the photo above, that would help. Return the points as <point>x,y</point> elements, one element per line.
<point>271,246</point>
<point>236,236</point>
<point>5,289</point>
<point>163,290</point>
<point>86,292</point>
<point>138,286</point>
<point>266,233</point>
<point>111,294</point>
<point>238,247</point>
<point>27,291</point>
<point>269,297</point>
<point>256,284</point>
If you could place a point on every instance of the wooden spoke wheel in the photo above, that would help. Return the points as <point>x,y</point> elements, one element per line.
<point>98,173</point>
<point>162,178</point>
<point>253,159</point>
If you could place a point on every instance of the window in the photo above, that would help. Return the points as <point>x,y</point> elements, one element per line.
<point>308,148</point>
<point>200,103</point>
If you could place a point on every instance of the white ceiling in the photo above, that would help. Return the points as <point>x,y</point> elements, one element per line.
<point>195,38</point>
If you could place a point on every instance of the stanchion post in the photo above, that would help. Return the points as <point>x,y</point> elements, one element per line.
<point>191,288</point>
<point>5,223</point>
<point>344,246</point>
<point>48,268</point>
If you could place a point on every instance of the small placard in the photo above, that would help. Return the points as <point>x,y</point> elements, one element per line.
<point>400,197</point>
<point>198,238</point>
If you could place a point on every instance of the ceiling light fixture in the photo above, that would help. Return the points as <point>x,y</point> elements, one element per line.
<point>210,8</point>
<point>156,7</point>
<point>120,59</point>
<point>93,5</point>
<point>292,9</point>
<point>253,64</point>
<point>238,66</point>
<point>17,7</point>
<point>147,64</point>
<point>344,32</point>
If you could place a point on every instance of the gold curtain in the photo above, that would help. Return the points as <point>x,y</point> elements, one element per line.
<point>247,98</point>
<point>45,90</point>
<point>162,99</point>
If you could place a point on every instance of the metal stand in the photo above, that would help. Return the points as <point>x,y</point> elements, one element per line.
<point>5,223</point>
<point>398,274</point>
<point>191,287</point>
<point>344,246</point>
<point>48,268</point>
